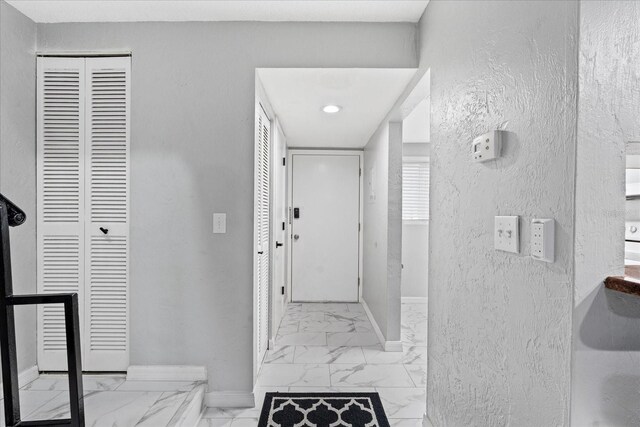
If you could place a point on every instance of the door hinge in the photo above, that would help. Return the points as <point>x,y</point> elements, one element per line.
<point>358,282</point>
<point>284,161</point>
<point>360,172</point>
<point>359,226</point>
<point>283,226</point>
<point>282,290</point>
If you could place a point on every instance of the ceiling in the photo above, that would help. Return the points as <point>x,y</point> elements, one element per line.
<point>366,95</point>
<point>212,10</point>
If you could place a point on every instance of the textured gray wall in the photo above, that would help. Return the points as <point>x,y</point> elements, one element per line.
<point>193,89</point>
<point>18,161</point>
<point>499,334</point>
<point>606,368</point>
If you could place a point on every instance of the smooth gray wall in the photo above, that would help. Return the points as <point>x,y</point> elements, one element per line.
<point>192,154</point>
<point>499,333</point>
<point>415,241</point>
<point>606,338</point>
<point>382,227</point>
<point>18,161</point>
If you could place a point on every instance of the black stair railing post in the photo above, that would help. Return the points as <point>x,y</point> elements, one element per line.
<point>74,364</point>
<point>11,215</point>
<point>8,352</point>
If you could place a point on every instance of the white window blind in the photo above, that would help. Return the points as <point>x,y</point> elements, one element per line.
<point>415,190</point>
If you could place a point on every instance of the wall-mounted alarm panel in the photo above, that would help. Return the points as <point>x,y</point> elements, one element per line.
<point>487,147</point>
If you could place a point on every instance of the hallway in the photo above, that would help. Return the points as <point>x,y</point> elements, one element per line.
<point>332,347</point>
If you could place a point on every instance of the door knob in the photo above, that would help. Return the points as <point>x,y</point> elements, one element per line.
<point>104,230</point>
<point>296,237</point>
<point>278,244</point>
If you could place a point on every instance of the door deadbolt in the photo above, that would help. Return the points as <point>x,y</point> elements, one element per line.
<point>296,237</point>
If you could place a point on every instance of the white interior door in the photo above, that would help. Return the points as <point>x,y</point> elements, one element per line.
<point>83,207</point>
<point>279,227</point>
<point>60,200</point>
<point>106,341</point>
<point>325,227</point>
<point>262,229</point>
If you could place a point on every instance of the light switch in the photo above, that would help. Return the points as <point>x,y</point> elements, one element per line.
<point>219,223</point>
<point>542,239</point>
<point>506,234</point>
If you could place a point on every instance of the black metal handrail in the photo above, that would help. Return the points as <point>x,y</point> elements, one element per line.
<point>11,215</point>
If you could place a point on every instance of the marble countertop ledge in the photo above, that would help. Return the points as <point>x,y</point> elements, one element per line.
<point>629,283</point>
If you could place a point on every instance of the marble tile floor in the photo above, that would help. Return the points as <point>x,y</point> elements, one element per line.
<point>332,347</point>
<point>319,347</point>
<point>110,400</point>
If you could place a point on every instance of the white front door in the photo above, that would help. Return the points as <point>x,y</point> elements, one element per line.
<point>325,227</point>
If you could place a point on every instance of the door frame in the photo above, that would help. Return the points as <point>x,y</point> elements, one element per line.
<point>321,152</point>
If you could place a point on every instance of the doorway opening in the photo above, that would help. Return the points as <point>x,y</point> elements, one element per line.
<point>331,131</point>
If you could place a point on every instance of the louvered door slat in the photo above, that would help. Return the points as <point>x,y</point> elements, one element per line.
<point>107,206</point>
<point>60,216</point>
<point>263,147</point>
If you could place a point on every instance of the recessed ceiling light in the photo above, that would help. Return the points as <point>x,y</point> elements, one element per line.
<point>331,109</point>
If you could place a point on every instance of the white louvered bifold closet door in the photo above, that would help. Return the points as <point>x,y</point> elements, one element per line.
<point>263,148</point>
<point>106,340</point>
<point>60,200</point>
<point>83,187</point>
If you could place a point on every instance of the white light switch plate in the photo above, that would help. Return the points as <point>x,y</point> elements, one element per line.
<point>506,234</point>
<point>219,223</point>
<point>542,239</point>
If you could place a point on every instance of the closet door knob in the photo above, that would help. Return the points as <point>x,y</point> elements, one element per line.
<point>104,230</point>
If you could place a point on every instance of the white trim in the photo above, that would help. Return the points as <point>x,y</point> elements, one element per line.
<point>229,399</point>
<point>166,373</point>
<point>393,346</point>
<point>290,153</point>
<point>85,54</point>
<point>387,345</point>
<point>27,376</point>
<point>414,300</point>
<point>376,328</point>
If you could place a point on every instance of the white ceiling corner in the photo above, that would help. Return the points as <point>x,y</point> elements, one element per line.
<point>52,11</point>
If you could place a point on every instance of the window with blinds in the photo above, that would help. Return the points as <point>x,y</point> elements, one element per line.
<point>415,190</point>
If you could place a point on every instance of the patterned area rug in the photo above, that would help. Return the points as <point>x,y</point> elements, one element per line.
<point>322,410</point>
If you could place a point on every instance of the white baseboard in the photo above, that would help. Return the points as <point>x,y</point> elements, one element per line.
<point>166,373</point>
<point>387,345</point>
<point>376,328</point>
<point>229,399</point>
<point>28,375</point>
<point>393,346</point>
<point>414,300</point>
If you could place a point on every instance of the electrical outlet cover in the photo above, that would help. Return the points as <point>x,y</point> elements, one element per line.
<point>542,239</point>
<point>506,234</point>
